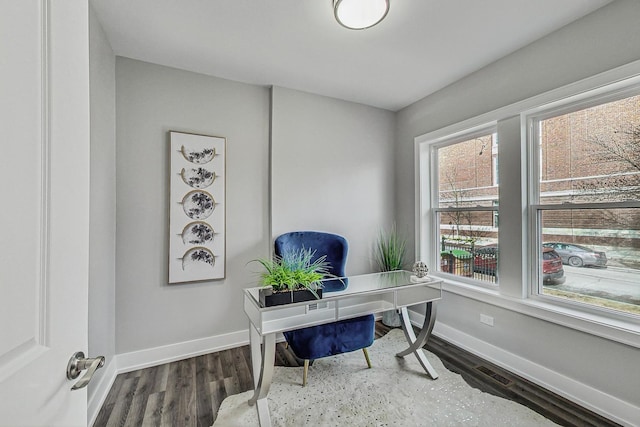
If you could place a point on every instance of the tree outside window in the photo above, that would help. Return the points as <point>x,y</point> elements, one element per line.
<point>467,206</point>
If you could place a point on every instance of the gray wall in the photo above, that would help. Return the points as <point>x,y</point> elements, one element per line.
<point>102,221</point>
<point>601,41</point>
<point>332,170</point>
<point>316,143</point>
<point>150,101</point>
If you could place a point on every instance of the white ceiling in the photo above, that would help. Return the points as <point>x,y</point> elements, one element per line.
<point>422,45</point>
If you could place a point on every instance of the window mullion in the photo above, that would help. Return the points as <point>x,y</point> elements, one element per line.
<point>512,176</point>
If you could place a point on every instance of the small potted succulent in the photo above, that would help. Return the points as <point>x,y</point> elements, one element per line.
<point>293,277</point>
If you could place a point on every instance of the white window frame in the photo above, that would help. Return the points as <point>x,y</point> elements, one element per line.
<point>533,119</point>
<point>433,183</point>
<point>514,292</point>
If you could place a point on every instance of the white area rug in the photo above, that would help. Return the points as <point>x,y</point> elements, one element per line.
<point>341,391</point>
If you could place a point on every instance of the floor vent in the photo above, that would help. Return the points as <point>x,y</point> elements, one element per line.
<point>494,375</point>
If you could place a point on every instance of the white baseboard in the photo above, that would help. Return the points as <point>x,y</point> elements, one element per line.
<point>608,406</point>
<point>140,359</point>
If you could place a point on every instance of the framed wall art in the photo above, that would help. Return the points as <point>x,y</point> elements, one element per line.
<point>197,241</point>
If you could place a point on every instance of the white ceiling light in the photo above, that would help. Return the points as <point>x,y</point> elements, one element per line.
<point>360,14</point>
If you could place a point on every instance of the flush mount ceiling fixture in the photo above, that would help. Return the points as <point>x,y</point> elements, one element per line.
<point>360,14</point>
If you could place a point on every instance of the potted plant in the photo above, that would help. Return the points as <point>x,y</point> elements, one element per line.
<point>389,254</point>
<point>293,277</point>
<point>390,250</point>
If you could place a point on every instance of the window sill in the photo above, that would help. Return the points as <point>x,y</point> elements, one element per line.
<point>618,330</point>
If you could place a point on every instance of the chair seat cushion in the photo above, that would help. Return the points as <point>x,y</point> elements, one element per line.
<point>333,338</point>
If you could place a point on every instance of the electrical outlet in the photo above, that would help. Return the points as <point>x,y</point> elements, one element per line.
<point>487,320</point>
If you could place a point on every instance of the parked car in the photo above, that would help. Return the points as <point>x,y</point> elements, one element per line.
<point>578,255</point>
<point>552,271</point>
<point>485,261</point>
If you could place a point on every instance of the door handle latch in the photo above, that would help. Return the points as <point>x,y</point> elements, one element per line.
<point>79,363</point>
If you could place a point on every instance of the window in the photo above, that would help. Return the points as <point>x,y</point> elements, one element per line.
<point>564,176</point>
<point>466,205</point>
<point>585,200</point>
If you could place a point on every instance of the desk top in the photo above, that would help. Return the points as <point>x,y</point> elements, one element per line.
<point>364,284</point>
<point>364,294</point>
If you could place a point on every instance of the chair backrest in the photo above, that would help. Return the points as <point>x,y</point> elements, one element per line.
<point>334,246</point>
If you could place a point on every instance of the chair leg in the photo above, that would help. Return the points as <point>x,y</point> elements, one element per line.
<point>304,373</point>
<point>366,356</point>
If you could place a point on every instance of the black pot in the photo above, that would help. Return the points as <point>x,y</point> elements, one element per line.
<point>269,298</point>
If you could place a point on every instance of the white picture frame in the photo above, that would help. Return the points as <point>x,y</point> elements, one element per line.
<point>197,213</point>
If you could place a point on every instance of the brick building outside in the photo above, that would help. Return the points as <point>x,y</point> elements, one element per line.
<point>588,156</point>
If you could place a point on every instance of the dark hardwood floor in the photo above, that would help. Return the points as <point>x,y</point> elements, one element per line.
<point>189,392</point>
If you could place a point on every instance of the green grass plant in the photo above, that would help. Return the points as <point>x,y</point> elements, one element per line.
<point>294,270</point>
<point>390,250</point>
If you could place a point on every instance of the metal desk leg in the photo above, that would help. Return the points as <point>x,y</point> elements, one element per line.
<point>262,361</point>
<point>416,344</point>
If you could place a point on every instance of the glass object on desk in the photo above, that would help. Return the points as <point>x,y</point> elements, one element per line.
<point>420,269</point>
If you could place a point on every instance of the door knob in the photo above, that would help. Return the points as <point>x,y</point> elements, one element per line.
<point>79,363</point>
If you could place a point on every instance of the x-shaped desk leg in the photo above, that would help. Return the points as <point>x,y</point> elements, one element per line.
<point>416,344</point>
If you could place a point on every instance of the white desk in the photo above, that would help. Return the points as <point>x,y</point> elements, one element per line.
<point>365,294</point>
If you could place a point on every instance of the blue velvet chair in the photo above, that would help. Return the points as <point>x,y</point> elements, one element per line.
<point>330,339</point>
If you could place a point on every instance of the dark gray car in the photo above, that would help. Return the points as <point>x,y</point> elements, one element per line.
<point>578,255</point>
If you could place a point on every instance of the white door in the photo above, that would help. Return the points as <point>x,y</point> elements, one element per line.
<point>44,209</point>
